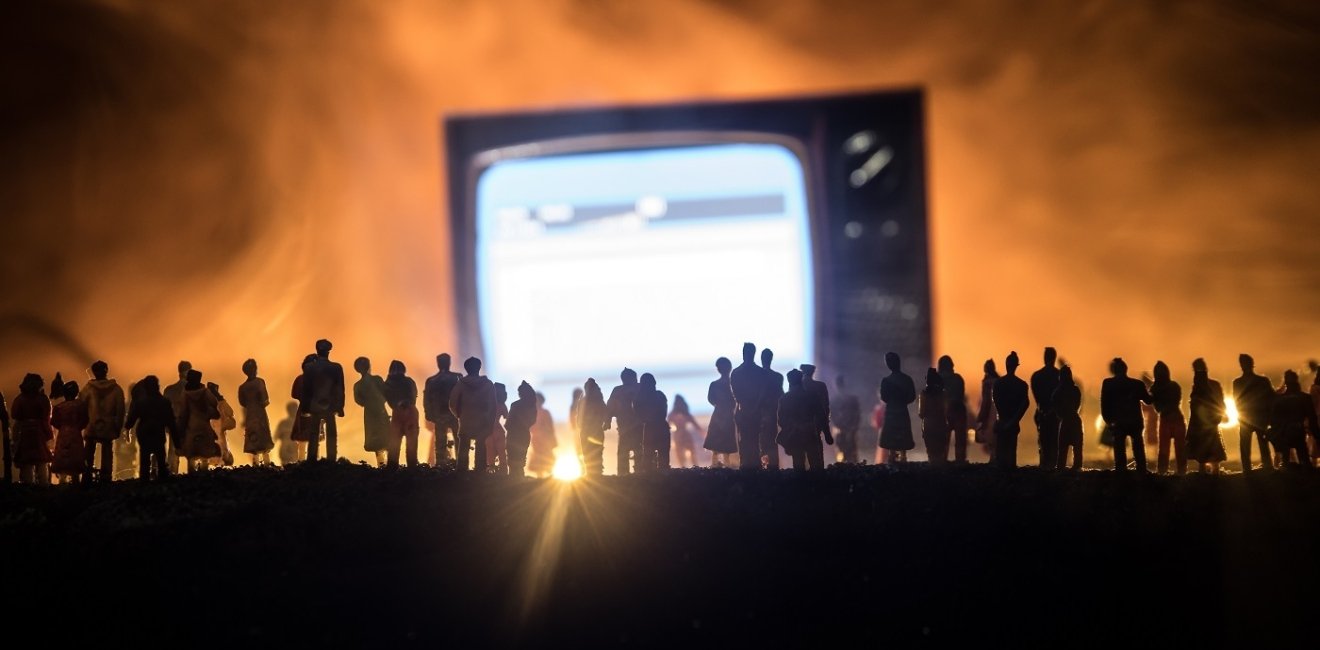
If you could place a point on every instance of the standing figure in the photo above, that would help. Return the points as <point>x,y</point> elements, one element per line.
<point>721,435</point>
<point>1254,397</point>
<point>651,406</point>
<point>401,391</point>
<point>574,426</point>
<point>799,416</point>
<point>1068,408</point>
<point>200,406</point>
<point>620,406</point>
<point>288,447</point>
<point>986,417</point>
<point>542,460</point>
<point>592,419</point>
<point>1292,415</point>
<point>1166,397</point>
<point>1043,384</point>
<point>153,415</point>
<point>934,418</point>
<point>254,399</point>
<point>820,393</point>
<point>302,428</point>
<point>472,401</point>
<point>955,406</point>
<point>324,400</point>
<point>1151,418</point>
<point>685,430</point>
<point>8,450</point>
<point>497,445</point>
<point>774,384</point>
<point>32,433</point>
<point>1121,397</point>
<point>1011,402</point>
<point>1315,400</point>
<point>522,415</point>
<point>174,393</point>
<point>105,414</point>
<point>69,419</point>
<point>369,393</point>
<point>435,407</point>
<point>750,386</point>
<point>897,391</point>
<point>223,424</point>
<point>846,414</point>
<point>1204,443</point>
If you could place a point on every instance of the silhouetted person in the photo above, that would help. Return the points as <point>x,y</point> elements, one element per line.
<point>799,417</point>
<point>32,433</point>
<point>200,406</point>
<point>324,400</point>
<point>573,403</point>
<point>174,393</point>
<point>1166,397</point>
<point>254,398</point>
<point>302,427</point>
<point>1315,399</point>
<point>522,415</point>
<point>1011,401</point>
<point>820,394</point>
<point>1150,416</point>
<point>542,460</point>
<point>685,432</point>
<point>435,407</point>
<point>153,415</point>
<point>69,419</point>
<point>721,434</point>
<point>934,418</point>
<point>1121,398</point>
<point>986,417</point>
<point>955,406</point>
<point>401,391</point>
<point>750,386</point>
<point>369,393</point>
<point>1254,397</point>
<point>497,444</point>
<point>473,402</point>
<point>846,413</point>
<point>1043,384</point>
<point>288,447</point>
<point>105,414</point>
<point>592,418</point>
<point>1067,402</point>
<point>1293,413</point>
<point>897,391</point>
<point>774,384</point>
<point>8,450</point>
<point>1205,445</point>
<point>652,408</point>
<point>620,406</point>
<point>223,424</point>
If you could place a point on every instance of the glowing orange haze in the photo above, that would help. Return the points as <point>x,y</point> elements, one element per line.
<point>219,180</point>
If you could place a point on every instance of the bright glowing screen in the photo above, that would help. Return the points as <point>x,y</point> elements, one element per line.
<point>661,260</point>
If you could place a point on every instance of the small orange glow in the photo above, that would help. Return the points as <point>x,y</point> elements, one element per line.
<point>1230,409</point>
<point>567,468</point>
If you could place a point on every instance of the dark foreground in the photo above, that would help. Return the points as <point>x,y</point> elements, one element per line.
<point>347,556</point>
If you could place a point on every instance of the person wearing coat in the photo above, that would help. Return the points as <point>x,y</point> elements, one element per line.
<point>652,409</point>
<point>223,424</point>
<point>69,418</point>
<point>518,427</point>
<point>369,393</point>
<point>323,399</point>
<point>799,419</point>
<point>592,418</point>
<point>542,460</point>
<point>174,393</point>
<point>105,415</point>
<point>1205,445</point>
<point>1121,398</point>
<point>1067,401</point>
<point>497,443</point>
<point>32,434</point>
<point>302,430</point>
<point>934,418</point>
<point>473,402</point>
<point>1011,397</point>
<point>200,406</point>
<point>897,391</point>
<point>253,399</point>
<point>153,415</point>
<point>8,450</point>
<point>721,434</point>
<point>401,392</point>
<point>1166,398</point>
<point>986,417</point>
<point>1290,418</point>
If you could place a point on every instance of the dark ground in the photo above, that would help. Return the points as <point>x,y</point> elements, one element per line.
<point>966,556</point>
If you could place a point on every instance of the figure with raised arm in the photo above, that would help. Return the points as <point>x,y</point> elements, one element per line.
<point>1166,397</point>
<point>69,419</point>
<point>153,415</point>
<point>955,406</point>
<point>1043,384</point>
<point>934,416</point>
<point>1254,397</point>
<point>1121,398</point>
<point>774,383</point>
<point>685,432</point>
<point>435,408</point>
<point>174,393</point>
<point>32,432</point>
<point>1011,398</point>
<point>1205,445</point>
<point>105,413</point>
<point>473,402</point>
<point>721,434</point>
<point>200,406</point>
<point>324,400</point>
<point>897,391</point>
<point>497,445</point>
<point>652,407</point>
<point>522,415</point>
<point>750,386</point>
<point>620,407</point>
<point>592,419</point>
<point>986,417</point>
<point>846,416</point>
<point>1290,419</point>
<point>1067,402</point>
<point>401,392</point>
<point>820,394</point>
<point>369,393</point>
<point>254,398</point>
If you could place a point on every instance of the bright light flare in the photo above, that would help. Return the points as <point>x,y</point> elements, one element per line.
<point>1230,409</point>
<point>567,468</point>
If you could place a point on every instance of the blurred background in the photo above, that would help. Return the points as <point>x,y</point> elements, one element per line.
<point>218,180</point>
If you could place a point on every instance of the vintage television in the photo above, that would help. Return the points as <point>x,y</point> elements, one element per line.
<point>662,237</point>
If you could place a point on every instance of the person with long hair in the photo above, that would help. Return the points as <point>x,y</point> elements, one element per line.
<point>1205,445</point>
<point>721,434</point>
<point>401,391</point>
<point>69,418</point>
<point>32,433</point>
<point>986,416</point>
<point>685,428</point>
<point>200,407</point>
<point>1166,397</point>
<point>592,418</point>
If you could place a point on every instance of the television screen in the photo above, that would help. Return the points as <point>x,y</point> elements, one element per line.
<point>661,258</point>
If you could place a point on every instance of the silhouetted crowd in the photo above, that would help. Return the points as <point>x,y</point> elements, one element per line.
<point>754,416</point>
